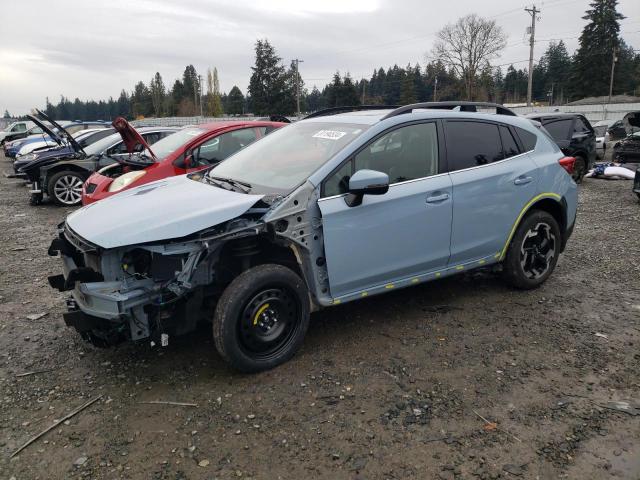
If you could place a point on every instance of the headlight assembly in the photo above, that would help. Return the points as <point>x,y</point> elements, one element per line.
<point>125,180</point>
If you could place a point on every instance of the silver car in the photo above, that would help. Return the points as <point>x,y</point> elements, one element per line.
<point>331,209</point>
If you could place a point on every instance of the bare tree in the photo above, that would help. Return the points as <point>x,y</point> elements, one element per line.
<point>467,45</point>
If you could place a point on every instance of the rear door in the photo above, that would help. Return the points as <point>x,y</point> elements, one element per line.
<point>493,179</point>
<point>390,237</point>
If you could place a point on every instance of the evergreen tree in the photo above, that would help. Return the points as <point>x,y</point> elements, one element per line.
<point>8,115</point>
<point>157,92</point>
<point>122,105</point>
<point>141,102</point>
<point>558,64</point>
<point>591,70</point>
<point>191,90</point>
<point>407,91</point>
<point>268,83</point>
<point>349,94</point>
<point>315,100</point>
<point>235,101</point>
<point>49,109</point>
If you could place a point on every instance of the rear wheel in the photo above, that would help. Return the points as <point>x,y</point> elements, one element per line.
<point>261,318</point>
<point>534,250</point>
<point>65,188</point>
<point>579,169</point>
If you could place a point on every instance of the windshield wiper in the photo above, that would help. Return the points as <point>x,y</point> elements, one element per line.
<point>244,186</point>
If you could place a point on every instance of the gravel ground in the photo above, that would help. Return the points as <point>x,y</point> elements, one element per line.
<point>393,387</point>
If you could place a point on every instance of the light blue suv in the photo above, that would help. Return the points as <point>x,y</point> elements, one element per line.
<point>334,208</point>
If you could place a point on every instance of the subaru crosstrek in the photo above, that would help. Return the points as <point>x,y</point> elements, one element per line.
<point>324,211</point>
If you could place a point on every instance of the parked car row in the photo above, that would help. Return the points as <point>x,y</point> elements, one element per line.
<point>210,224</point>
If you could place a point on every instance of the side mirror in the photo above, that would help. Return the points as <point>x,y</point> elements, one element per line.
<point>366,182</point>
<point>187,161</point>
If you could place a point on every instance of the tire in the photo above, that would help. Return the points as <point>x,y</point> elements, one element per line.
<point>529,260</point>
<point>65,188</point>
<point>579,169</point>
<point>261,318</point>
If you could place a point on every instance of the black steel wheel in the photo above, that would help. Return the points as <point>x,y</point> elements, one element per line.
<point>533,252</point>
<point>261,318</point>
<point>268,322</point>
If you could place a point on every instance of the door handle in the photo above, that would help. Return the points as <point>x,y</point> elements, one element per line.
<point>523,180</point>
<point>438,198</point>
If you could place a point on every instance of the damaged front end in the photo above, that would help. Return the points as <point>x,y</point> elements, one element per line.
<point>150,290</point>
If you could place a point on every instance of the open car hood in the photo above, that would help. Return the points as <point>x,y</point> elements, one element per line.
<point>631,122</point>
<point>167,209</point>
<point>61,131</point>
<point>45,128</point>
<point>130,136</point>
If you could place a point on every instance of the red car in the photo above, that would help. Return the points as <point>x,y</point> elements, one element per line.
<point>188,150</point>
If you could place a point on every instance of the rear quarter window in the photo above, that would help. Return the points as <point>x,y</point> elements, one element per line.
<point>528,139</point>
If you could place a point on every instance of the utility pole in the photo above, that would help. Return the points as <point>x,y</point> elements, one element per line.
<point>200,83</point>
<point>297,61</point>
<point>614,59</point>
<point>195,96</point>
<point>435,88</point>
<point>533,12</point>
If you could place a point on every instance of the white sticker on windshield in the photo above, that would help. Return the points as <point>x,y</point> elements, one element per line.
<point>330,134</point>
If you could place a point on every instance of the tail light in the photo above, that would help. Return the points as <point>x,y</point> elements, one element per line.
<point>567,163</point>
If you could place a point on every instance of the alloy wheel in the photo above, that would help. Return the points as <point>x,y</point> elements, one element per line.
<point>68,189</point>
<point>537,251</point>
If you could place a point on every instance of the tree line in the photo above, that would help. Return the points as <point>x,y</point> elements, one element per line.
<point>558,77</point>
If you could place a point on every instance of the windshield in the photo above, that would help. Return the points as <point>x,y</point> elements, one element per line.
<point>101,145</point>
<point>600,130</point>
<point>286,157</point>
<point>174,141</point>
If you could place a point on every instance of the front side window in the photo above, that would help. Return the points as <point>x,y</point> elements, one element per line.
<point>471,144</point>
<point>406,153</point>
<point>223,146</point>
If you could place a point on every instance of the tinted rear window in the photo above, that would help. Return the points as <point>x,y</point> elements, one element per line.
<point>470,144</point>
<point>559,129</point>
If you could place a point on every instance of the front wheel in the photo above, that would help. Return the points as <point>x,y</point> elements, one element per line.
<point>65,188</point>
<point>533,253</point>
<point>261,318</point>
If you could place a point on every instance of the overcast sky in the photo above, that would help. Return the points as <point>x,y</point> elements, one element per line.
<point>93,49</point>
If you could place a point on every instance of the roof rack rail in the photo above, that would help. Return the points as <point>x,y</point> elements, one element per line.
<point>464,107</point>
<point>346,109</point>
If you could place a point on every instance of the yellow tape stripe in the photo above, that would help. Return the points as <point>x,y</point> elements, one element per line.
<point>259,312</point>
<point>517,222</point>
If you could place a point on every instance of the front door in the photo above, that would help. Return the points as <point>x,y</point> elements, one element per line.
<point>393,236</point>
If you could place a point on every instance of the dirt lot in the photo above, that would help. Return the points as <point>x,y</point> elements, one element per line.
<point>392,387</point>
